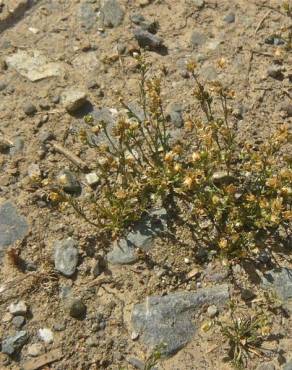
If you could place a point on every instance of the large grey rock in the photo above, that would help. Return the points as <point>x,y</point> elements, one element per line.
<point>87,15</point>
<point>111,13</point>
<point>13,226</point>
<point>34,65</point>
<point>280,280</point>
<point>142,236</point>
<point>66,256</point>
<point>168,320</point>
<point>14,343</point>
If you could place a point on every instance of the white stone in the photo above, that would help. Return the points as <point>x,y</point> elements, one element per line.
<point>19,308</point>
<point>46,335</point>
<point>92,178</point>
<point>34,65</point>
<point>73,99</point>
<point>212,311</point>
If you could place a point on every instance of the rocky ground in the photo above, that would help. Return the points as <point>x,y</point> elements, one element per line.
<point>69,300</point>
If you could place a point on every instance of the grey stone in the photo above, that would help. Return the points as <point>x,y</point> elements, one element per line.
<point>44,105</point>
<point>275,71</point>
<point>18,321</point>
<point>66,256</point>
<point>34,65</point>
<point>59,326</point>
<point>73,99</point>
<point>14,343</point>
<point>147,39</point>
<point>149,26</point>
<point>13,227</point>
<point>141,236</point>
<point>136,363</point>
<point>46,136</point>
<point>198,39</point>
<point>267,366</point>
<point>274,40</point>
<point>198,3</point>
<point>18,145</point>
<point>229,18</point>
<point>112,14</point>
<point>137,18</point>
<point>174,114</point>
<point>29,109</point>
<point>67,180</point>
<point>87,15</point>
<point>55,99</point>
<point>77,309</point>
<point>287,366</point>
<point>167,320</point>
<point>280,280</point>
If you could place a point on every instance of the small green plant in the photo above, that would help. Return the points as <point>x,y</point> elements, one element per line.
<point>154,357</point>
<point>234,195</point>
<point>244,334</point>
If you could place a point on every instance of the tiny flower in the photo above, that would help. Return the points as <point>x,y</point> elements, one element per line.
<point>188,182</point>
<point>169,157</point>
<point>177,167</point>
<point>223,243</point>
<point>196,156</point>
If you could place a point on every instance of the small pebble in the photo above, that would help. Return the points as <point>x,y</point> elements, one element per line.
<point>229,18</point>
<point>92,178</point>
<point>29,109</point>
<point>78,309</point>
<point>18,321</point>
<point>134,335</point>
<point>212,311</point>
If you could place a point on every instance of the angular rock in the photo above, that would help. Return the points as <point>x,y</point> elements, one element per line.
<point>280,280</point>
<point>34,65</point>
<point>142,236</point>
<point>18,321</point>
<point>174,114</point>
<point>19,308</point>
<point>111,13</point>
<point>13,226</point>
<point>168,319</point>
<point>87,15</point>
<point>68,182</point>
<point>275,71</point>
<point>73,99</point>
<point>147,39</point>
<point>14,343</point>
<point>66,256</point>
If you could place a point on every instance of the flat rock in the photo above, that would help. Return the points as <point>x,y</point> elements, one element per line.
<point>168,319</point>
<point>14,343</point>
<point>73,99</point>
<point>66,256</point>
<point>111,13</point>
<point>142,236</point>
<point>34,66</point>
<point>87,15</point>
<point>147,39</point>
<point>13,226</point>
<point>280,280</point>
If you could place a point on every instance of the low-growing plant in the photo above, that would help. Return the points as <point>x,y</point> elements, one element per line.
<point>245,334</point>
<point>234,195</point>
